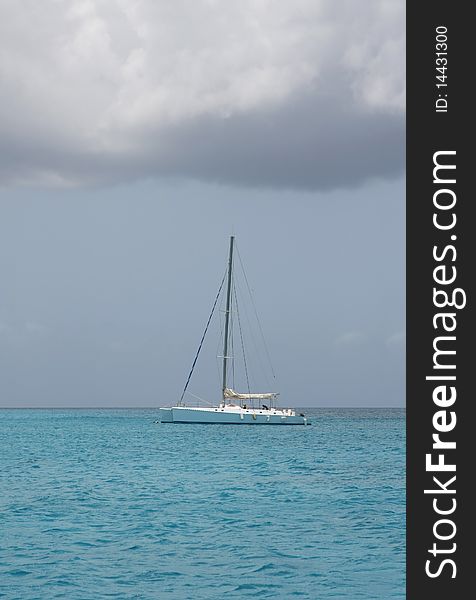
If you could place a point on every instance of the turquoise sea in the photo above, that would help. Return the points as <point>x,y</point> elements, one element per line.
<point>108,504</point>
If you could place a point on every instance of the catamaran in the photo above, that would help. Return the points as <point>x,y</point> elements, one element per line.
<point>234,408</point>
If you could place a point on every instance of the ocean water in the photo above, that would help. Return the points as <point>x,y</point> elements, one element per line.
<point>108,504</point>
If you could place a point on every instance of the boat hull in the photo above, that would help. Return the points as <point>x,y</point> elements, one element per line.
<point>182,414</point>
<point>166,415</point>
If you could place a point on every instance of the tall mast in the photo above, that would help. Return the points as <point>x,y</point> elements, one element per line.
<point>227,313</point>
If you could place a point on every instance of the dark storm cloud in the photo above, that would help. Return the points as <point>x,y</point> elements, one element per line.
<point>310,143</point>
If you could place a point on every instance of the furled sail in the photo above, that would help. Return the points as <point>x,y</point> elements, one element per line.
<point>229,393</point>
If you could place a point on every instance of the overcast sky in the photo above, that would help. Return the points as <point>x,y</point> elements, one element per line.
<point>135,137</point>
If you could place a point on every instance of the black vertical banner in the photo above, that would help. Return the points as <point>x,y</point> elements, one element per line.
<point>440,317</point>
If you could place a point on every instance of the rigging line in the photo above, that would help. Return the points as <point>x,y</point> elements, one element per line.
<point>218,370</point>
<point>256,313</point>
<point>242,343</point>
<point>220,339</point>
<point>262,368</point>
<point>232,340</point>
<point>202,399</point>
<point>203,337</point>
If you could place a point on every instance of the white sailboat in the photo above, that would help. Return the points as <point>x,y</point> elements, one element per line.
<point>234,407</point>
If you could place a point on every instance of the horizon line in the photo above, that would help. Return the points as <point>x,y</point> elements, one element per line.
<point>156,407</point>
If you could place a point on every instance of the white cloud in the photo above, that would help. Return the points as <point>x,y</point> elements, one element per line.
<point>397,339</point>
<point>19,334</point>
<point>97,90</point>
<point>350,338</point>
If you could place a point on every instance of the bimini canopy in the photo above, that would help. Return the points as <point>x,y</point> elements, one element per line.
<point>229,393</point>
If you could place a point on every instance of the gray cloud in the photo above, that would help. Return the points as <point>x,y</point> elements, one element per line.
<point>306,94</point>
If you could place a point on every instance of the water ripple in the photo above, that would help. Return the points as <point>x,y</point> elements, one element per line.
<point>107,504</point>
